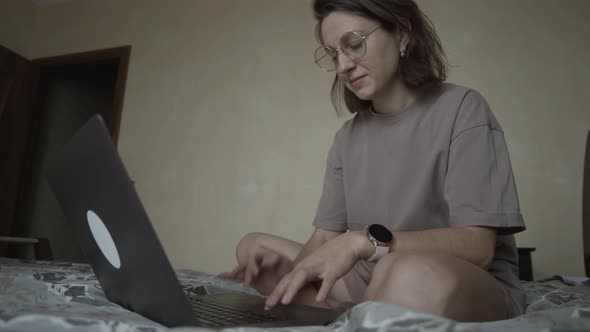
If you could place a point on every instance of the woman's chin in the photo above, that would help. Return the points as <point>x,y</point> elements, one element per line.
<point>362,95</point>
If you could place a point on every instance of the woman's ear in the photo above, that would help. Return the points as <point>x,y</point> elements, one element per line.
<point>404,30</point>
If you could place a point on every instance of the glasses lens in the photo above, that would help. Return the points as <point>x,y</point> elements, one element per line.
<point>353,45</point>
<point>325,58</point>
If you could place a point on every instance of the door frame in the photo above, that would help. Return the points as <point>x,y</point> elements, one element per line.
<point>122,54</point>
<point>18,81</point>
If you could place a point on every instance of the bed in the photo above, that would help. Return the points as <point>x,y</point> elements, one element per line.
<point>59,296</point>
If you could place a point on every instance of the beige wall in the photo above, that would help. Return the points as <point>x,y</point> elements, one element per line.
<point>16,22</point>
<point>227,123</point>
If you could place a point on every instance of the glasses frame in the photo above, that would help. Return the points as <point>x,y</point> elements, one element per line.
<point>337,51</point>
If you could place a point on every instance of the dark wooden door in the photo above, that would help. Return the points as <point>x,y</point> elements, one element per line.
<point>34,97</point>
<point>18,79</point>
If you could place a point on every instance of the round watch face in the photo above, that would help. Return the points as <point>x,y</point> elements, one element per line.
<point>380,233</point>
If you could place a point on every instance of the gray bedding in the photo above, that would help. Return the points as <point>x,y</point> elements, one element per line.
<point>54,296</point>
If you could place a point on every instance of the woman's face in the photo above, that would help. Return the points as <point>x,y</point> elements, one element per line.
<point>376,72</point>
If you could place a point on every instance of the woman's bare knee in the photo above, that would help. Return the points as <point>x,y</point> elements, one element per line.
<point>438,284</point>
<point>412,280</point>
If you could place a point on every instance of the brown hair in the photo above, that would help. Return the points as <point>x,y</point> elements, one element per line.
<point>425,61</point>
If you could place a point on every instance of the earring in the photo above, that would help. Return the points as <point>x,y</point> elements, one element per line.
<point>402,54</point>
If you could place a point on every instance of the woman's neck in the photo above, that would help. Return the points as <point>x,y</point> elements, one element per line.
<point>395,99</point>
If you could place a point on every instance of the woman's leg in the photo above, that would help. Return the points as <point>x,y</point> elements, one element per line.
<point>439,284</point>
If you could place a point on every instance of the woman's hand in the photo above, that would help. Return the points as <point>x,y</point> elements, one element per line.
<point>327,264</point>
<point>263,269</point>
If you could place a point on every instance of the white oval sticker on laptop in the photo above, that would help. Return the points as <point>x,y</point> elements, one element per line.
<point>103,238</point>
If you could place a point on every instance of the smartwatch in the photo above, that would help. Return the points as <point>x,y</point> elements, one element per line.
<point>382,238</point>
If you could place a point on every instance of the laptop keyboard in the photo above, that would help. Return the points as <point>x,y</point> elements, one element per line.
<point>214,314</point>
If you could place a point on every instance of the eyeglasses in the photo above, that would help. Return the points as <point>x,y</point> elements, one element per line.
<point>352,44</point>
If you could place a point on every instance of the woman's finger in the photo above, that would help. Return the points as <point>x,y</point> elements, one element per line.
<point>277,293</point>
<point>254,261</point>
<point>327,285</point>
<point>300,279</point>
<point>233,274</point>
<point>238,272</point>
<point>251,271</point>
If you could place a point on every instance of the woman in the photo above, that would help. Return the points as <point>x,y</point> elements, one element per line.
<point>419,203</point>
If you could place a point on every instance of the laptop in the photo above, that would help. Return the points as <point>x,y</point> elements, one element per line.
<point>117,238</point>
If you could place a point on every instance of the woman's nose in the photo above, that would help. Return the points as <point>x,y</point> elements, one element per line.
<point>344,63</point>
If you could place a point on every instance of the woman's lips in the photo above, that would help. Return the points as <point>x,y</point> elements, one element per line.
<point>357,82</point>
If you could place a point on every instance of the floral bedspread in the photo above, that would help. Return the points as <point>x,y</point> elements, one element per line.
<point>57,296</point>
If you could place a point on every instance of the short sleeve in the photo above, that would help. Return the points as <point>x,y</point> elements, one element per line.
<point>479,184</point>
<point>331,211</point>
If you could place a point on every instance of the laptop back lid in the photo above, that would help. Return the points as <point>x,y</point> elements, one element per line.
<point>113,229</point>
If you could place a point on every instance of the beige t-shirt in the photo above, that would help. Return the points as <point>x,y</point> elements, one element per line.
<point>441,162</point>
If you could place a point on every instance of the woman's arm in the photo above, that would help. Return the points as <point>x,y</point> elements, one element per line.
<point>473,244</point>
